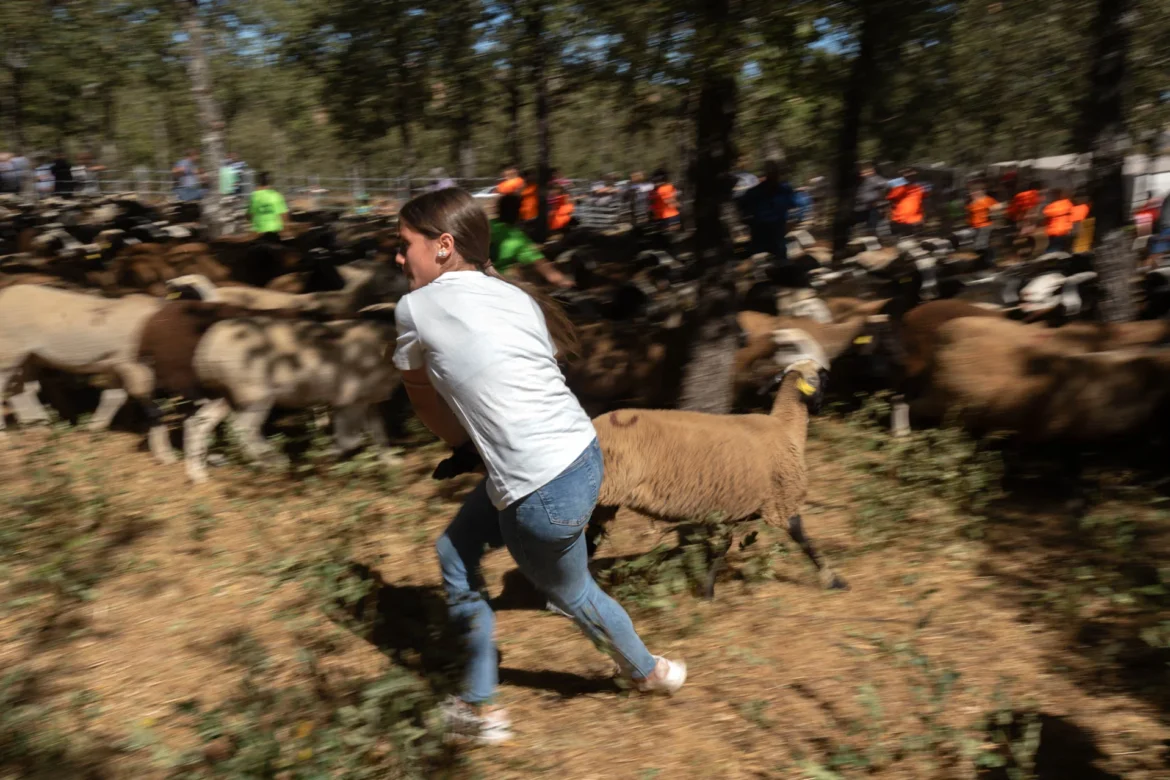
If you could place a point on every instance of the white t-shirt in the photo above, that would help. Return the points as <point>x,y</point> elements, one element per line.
<point>488,353</point>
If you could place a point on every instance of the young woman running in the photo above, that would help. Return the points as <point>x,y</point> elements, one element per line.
<point>478,361</point>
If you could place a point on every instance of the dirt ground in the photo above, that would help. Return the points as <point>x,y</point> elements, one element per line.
<point>268,626</point>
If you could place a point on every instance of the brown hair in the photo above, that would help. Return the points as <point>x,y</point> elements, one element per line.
<point>455,212</point>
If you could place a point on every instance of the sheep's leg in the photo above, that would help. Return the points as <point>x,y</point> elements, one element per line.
<point>247,423</point>
<point>347,432</point>
<point>602,515</point>
<point>27,406</point>
<point>5,377</point>
<point>717,563</point>
<point>111,401</point>
<point>197,430</point>
<point>899,416</point>
<point>828,578</point>
<point>376,427</point>
<point>138,382</point>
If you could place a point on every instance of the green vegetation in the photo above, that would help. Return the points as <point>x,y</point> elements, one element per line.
<point>308,87</point>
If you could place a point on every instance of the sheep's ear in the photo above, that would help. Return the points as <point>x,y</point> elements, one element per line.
<point>377,311</point>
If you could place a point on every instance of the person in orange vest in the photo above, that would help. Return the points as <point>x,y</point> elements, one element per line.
<point>529,204</point>
<point>979,209</point>
<point>511,182</point>
<point>906,204</point>
<point>560,209</point>
<point>1023,205</point>
<point>664,202</point>
<point>1082,231</point>
<point>1058,222</point>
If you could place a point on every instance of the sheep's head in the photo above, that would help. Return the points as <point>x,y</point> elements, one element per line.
<point>799,353</point>
<point>191,287</point>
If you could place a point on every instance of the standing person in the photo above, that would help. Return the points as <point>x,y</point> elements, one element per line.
<point>765,209</point>
<point>441,180</point>
<point>9,178</point>
<point>187,175</point>
<point>529,199</point>
<point>477,356</point>
<point>638,198</point>
<point>85,175</point>
<point>1058,221</point>
<point>664,202</point>
<point>871,198</point>
<point>979,209</point>
<point>229,175</point>
<point>906,204</point>
<point>45,181</point>
<point>267,208</point>
<point>511,182</point>
<point>560,209</point>
<point>512,248</point>
<point>1023,206</point>
<point>62,175</point>
<point>1082,229</point>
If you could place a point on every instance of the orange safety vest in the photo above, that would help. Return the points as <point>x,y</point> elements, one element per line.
<point>660,205</point>
<point>509,186</point>
<point>979,211</point>
<point>529,205</point>
<point>1022,204</point>
<point>907,204</point>
<point>1058,214</point>
<point>1079,212</point>
<point>560,211</point>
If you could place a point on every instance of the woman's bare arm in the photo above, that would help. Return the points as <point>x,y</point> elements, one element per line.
<point>431,408</point>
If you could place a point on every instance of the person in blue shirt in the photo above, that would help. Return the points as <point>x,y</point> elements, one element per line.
<point>765,210</point>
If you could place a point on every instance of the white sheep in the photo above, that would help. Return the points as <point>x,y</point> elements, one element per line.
<point>82,334</point>
<point>251,364</point>
<point>680,465</point>
<point>249,297</point>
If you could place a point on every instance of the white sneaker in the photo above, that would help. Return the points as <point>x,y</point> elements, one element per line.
<point>668,676</point>
<point>463,722</point>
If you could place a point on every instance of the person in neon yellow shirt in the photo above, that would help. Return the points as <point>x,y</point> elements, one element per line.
<point>266,207</point>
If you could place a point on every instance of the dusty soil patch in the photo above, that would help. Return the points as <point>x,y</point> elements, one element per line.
<point>151,629</point>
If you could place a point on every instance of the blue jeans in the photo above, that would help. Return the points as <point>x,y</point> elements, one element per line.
<point>544,532</point>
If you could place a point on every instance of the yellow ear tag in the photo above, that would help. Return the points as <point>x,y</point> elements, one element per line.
<point>863,340</point>
<point>172,295</point>
<point>803,386</point>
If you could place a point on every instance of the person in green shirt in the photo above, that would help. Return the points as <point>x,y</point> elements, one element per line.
<point>229,175</point>
<point>512,248</point>
<point>266,207</point>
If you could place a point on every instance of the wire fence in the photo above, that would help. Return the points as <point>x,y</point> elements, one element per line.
<point>320,191</point>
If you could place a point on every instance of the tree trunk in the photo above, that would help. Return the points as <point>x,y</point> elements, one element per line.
<point>711,179</point>
<point>714,155</point>
<point>211,126</point>
<point>462,152</point>
<point>512,139</point>
<point>407,145</point>
<point>1102,132</point>
<point>543,147</point>
<point>857,93</point>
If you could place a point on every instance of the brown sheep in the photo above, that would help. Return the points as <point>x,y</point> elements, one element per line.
<point>681,465</point>
<point>1001,375</point>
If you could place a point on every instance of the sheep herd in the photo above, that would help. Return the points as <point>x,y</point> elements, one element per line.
<point>136,299</point>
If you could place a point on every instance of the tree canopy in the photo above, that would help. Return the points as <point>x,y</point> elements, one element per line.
<point>400,86</point>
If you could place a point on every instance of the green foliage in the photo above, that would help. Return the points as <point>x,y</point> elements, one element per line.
<point>933,470</point>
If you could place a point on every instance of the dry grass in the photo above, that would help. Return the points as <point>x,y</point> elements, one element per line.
<point>261,626</point>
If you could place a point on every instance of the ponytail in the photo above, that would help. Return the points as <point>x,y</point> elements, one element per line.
<point>454,211</point>
<point>561,329</point>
